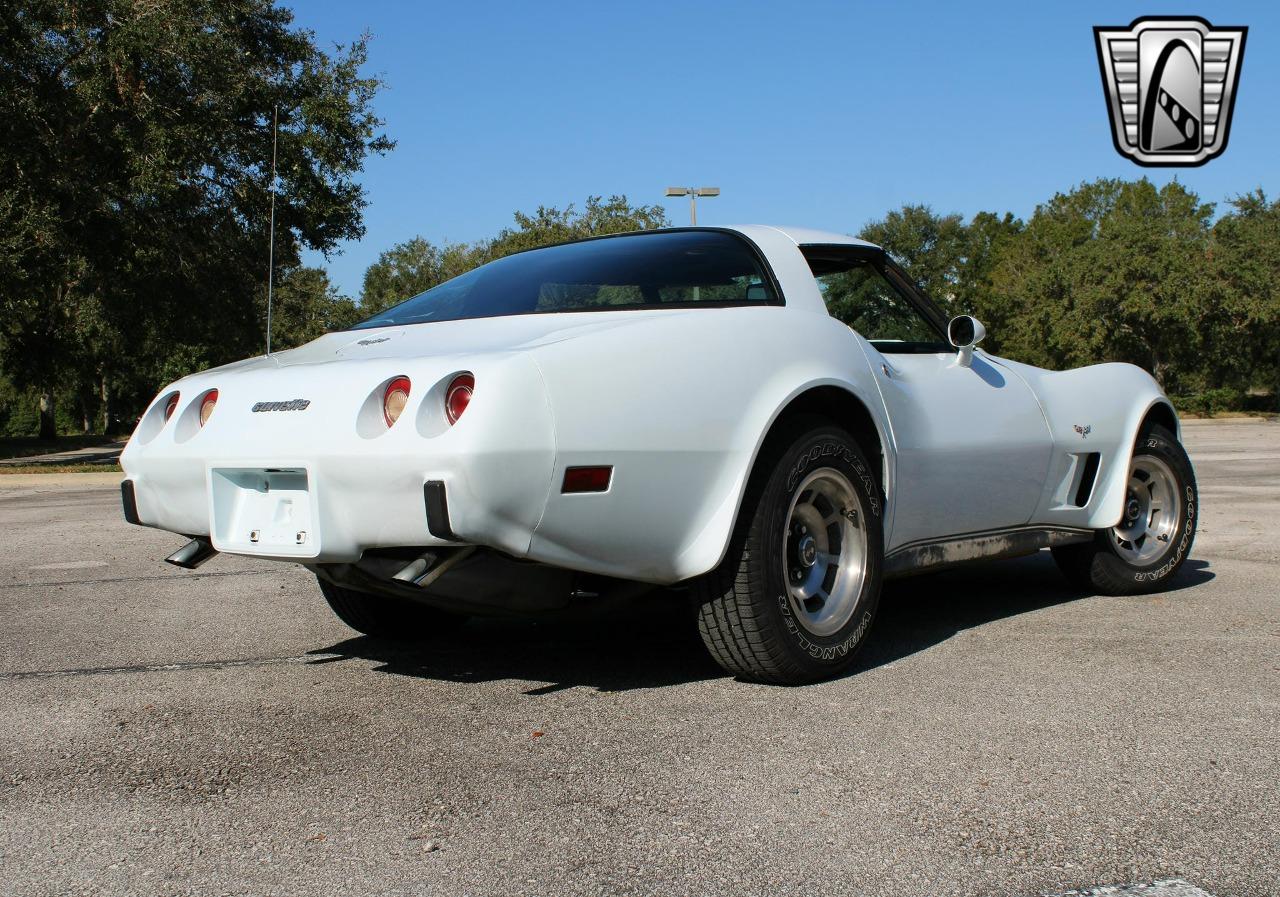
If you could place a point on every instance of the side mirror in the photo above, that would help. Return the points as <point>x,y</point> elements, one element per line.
<point>965,332</point>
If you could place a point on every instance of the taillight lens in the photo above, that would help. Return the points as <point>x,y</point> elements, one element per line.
<point>171,405</point>
<point>206,406</point>
<point>394,399</point>
<point>458,396</point>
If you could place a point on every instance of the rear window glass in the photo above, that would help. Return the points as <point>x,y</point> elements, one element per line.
<point>653,270</point>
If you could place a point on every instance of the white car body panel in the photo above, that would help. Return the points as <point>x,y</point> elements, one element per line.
<point>678,401</point>
<point>943,416</point>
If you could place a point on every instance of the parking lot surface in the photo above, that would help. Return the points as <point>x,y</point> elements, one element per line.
<point>220,732</point>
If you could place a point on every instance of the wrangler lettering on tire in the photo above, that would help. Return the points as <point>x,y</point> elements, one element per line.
<point>1156,529</point>
<point>796,595</point>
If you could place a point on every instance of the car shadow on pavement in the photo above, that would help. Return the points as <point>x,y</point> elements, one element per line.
<point>654,643</point>
<point>648,644</point>
<point>919,612</point>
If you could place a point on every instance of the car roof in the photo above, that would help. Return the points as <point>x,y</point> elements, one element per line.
<point>807,236</point>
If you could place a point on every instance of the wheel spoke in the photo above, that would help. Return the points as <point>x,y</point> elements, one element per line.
<point>842,515</point>
<point>1155,498</point>
<point>825,542</point>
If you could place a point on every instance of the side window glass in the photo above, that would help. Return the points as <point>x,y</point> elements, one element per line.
<point>861,297</point>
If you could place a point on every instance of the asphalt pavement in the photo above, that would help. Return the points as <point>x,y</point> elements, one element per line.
<point>220,732</point>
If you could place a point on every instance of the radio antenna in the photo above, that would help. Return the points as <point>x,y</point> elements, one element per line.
<point>271,238</point>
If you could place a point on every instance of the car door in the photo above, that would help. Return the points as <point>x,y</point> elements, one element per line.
<point>971,444</point>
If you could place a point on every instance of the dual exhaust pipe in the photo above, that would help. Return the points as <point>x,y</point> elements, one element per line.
<point>422,571</point>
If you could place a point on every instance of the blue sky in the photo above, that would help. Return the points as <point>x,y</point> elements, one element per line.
<point>819,114</point>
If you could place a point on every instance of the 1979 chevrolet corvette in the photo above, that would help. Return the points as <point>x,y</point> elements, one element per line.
<point>673,407</point>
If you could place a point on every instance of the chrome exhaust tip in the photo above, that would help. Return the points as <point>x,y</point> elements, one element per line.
<point>192,555</point>
<point>425,569</point>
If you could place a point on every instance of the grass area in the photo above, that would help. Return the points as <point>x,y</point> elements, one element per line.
<point>26,446</point>
<point>6,469</point>
<point>1229,415</point>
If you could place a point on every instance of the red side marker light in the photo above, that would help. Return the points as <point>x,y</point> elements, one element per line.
<point>586,479</point>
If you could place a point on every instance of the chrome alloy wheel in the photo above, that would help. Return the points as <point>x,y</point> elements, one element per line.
<point>1152,508</point>
<point>824,551</point>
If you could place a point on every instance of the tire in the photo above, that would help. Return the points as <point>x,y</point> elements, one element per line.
<point>385,616</point>
<point>750,610</point>
<point>1153,539</point>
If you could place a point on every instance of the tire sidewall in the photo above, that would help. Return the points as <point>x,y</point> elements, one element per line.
<point>833,448</point>
<point>1146,576</point>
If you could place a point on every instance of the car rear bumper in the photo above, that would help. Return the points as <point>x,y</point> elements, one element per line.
<point>346,507</point>
<point>319,486</point>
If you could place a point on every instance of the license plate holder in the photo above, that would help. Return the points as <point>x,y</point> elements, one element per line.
<point>264,511</point>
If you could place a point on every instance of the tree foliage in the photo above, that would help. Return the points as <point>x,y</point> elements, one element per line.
<point>409,268</point>
<point>1242,308</point>
<point>1113,270</point>
<point>135,143</point>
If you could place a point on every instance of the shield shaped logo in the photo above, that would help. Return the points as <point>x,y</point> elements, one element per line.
<point>1170,85</point>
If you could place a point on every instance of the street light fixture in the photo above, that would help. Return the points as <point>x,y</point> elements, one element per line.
<point>693,193</point>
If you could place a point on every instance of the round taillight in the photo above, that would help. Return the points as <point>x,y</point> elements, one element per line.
<point>206,406</point>
<point>458,396</point>
<point>394,399</point>
<point>171,406</point>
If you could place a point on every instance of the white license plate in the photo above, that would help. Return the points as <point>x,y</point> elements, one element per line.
<point>263,510</point>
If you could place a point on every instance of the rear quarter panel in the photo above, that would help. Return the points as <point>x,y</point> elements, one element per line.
<point>679,406</point>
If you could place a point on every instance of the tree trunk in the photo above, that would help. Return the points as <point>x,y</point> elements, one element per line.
<point>86,419</point>
<point>105,392</point>
<point>48,425</point>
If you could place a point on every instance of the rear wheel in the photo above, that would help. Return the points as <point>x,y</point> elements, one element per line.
<point>1153,538</point>
<point>386,616</point>
<point>795,597</point>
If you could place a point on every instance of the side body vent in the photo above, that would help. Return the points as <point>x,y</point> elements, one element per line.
<point>1088,475</point>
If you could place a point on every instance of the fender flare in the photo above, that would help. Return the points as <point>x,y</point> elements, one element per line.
<point>707,549</point>
<point>1108,506</point>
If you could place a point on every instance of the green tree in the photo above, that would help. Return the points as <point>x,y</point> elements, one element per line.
<point>1243,323</point>
<point>599,217</point>
<point>951,261</point>
<point>929,246</point>
<point>988,238</point>
<point>410,268</point>
<point>305,306</point>
<point>133,148</point>
<point>1111,271</point>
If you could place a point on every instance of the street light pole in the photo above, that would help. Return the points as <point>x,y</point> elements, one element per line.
<point>693,193</point>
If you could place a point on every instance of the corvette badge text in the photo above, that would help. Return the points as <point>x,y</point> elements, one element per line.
<point>1171,86</point>
<point>291,405</point>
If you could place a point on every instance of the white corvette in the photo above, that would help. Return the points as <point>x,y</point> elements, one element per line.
<point>674,407</point>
